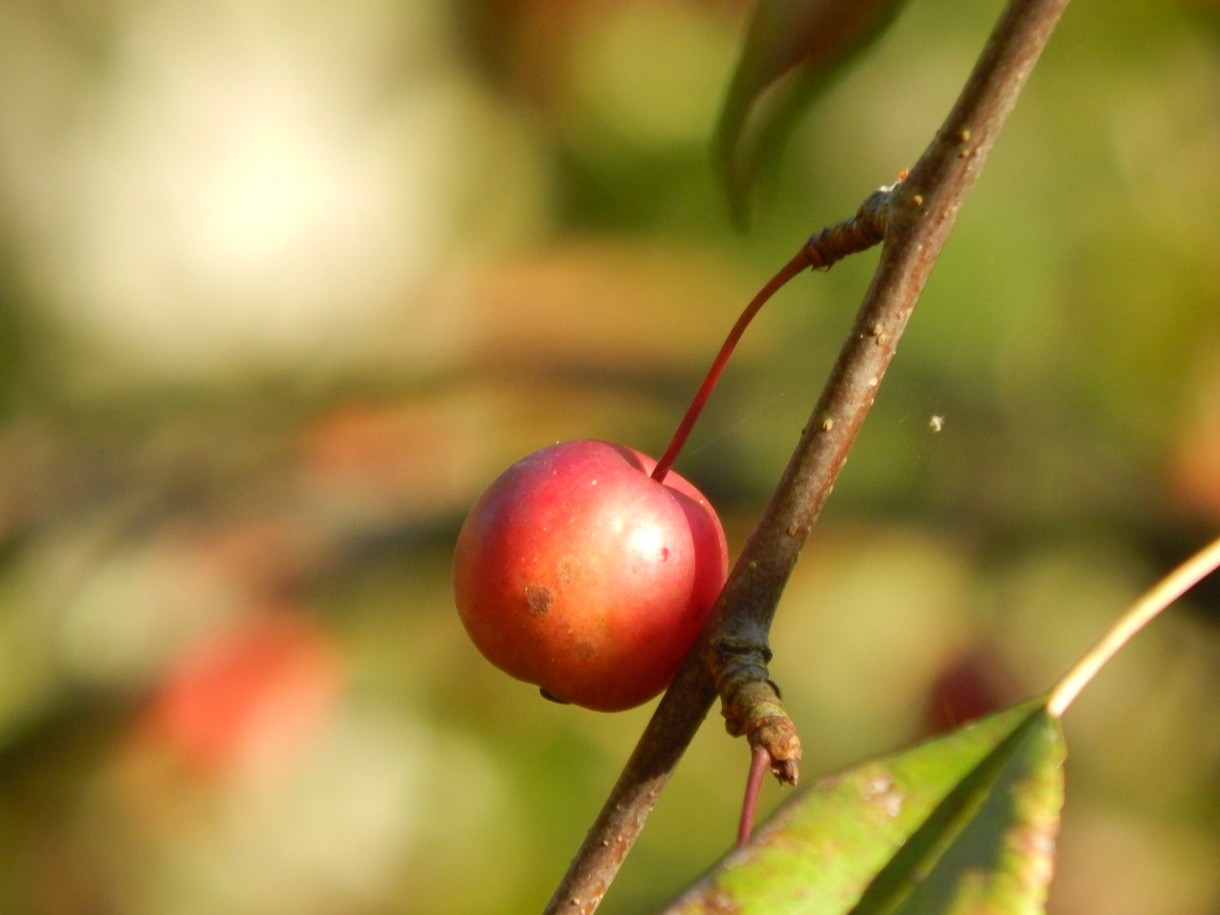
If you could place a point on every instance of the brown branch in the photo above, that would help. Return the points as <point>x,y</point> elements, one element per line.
<point>921,213</point>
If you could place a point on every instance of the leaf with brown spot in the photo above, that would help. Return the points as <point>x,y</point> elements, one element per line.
<point>962,823</point>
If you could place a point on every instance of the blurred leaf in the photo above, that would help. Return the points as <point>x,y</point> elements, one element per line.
<point>793,50</point>
<point>963,823</point>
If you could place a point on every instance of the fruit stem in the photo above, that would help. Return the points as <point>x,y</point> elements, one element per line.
<point>833,243</point>
<point>760,761</point>
<point>773,285</point>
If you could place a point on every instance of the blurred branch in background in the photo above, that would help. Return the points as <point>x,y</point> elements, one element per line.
<point>285,284</point>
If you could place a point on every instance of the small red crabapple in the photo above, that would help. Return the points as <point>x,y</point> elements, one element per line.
<point>588,568</point>
<point>580,573</point>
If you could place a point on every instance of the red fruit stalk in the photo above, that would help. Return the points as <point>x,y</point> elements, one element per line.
<point>773,285</point>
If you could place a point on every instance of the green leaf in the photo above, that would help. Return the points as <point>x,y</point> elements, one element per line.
<point>963,823</point>
<point>793,49</point>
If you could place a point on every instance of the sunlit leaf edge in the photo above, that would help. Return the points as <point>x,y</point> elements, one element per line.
<point>842,817</point>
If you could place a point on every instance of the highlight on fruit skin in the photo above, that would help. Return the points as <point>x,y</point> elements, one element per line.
<point>579,573</point>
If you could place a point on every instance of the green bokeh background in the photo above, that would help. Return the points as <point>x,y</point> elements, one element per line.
<point>283,285</point>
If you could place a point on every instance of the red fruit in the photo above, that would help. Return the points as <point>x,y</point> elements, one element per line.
<point>579,572</point>
<point>251,698</point>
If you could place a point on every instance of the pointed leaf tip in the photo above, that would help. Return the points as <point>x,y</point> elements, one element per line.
<point>962,823</point>
<point>792,50</point>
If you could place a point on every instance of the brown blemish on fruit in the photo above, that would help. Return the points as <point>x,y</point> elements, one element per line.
<point>566,572</point>
<point>583,649</point>
<point>538,598</point>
